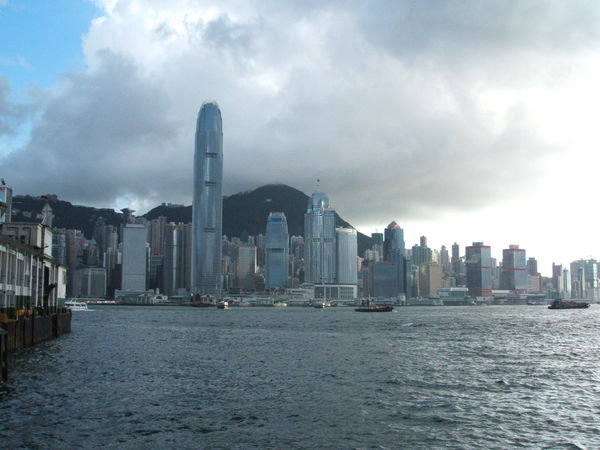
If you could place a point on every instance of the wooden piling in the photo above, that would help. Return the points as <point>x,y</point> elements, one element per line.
<point>15,335</point>
<point>3,356</point>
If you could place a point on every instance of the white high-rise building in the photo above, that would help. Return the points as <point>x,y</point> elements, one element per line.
<point>347,255</point>
<point>133,265</point>
<point>319,241</point>
<point>207,211</point>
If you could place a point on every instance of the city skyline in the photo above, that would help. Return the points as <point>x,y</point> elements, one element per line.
<point>156,256</point>
<point>496,251</point>
<point>461,123</point>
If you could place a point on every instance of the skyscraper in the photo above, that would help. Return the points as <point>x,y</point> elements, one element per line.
<point>532,266</point>
<point>514,269</point>
<point>246,267</point>
<point>277,251</point>
<point>479,269</point>
<point>455,261</point>
<point>319,245</point>
<point>207,211</point>
<point>133,267</point>
<point>421,253</point>
<point>394,242</point>
<point>430,279</point>
<point>445,260</point>
<point>393,252</point>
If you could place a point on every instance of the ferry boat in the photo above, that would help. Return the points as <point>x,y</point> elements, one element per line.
<point>321,305</point>
<point>367,306</point>
<point>374,308</point>
<point>568,304</point>
<point>202,301</point>
<point>74,305</point>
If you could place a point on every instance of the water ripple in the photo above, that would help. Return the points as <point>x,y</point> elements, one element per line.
<point>461,377</point>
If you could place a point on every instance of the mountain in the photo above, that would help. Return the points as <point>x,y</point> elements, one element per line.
<point>245,211</point>
<point>66,215</point>
<point>248,211</point>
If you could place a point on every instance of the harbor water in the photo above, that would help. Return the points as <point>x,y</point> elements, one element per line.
<point>437,377</point>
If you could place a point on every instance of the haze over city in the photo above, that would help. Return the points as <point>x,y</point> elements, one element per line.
<point>462,121</point>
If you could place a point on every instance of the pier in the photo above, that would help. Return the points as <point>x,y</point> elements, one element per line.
<point>26,331</point>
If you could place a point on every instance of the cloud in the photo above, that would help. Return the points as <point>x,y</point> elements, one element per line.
<point>18,61</point>
<point>103,136</point>
<point>401,108</point>
<point>11,114</point>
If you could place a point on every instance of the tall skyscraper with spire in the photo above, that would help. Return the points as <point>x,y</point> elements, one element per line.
<point>207,209</point>
<point>319,241</point>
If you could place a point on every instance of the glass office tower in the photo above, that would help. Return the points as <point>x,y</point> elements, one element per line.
<point>207,208</point>
<point>478,260</point>
<point>277,251</point>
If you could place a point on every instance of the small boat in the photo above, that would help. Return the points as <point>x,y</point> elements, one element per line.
<point>202,301</point>
<point>73,305</point>
<point>321,305</point>
<point>568,304</point>
<point>374,308</point>
<point>223,305</point>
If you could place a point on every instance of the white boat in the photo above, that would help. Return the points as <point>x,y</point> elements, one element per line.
<point>223,305</point>
<point>76,306</point>
<point>321,305</point>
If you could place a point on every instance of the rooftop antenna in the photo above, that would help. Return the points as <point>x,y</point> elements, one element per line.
<point>318,184</point>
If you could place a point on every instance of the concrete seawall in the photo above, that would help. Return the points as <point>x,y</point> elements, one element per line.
<point>17,335</point>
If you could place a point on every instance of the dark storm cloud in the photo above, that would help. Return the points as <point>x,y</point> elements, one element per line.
<point>463,28</point>
<point>383,101</point>
<point>10,113</point>
<point>104,136</point>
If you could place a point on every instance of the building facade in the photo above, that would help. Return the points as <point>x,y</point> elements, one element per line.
<point>478,261</point>
<point>346,258</point>
<point>393,243</point>
<point>29,277</point>
<point>430,279</point>
<point>514,270</point>
<point>421,253</point>
<point>319,241</point>
<point>90,282</point>
<point>133,265</point>
<point>246,268</point>
<point>277,251</point>
<point>5,203</point>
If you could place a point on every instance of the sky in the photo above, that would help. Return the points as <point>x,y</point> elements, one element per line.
<point>461,120</point>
